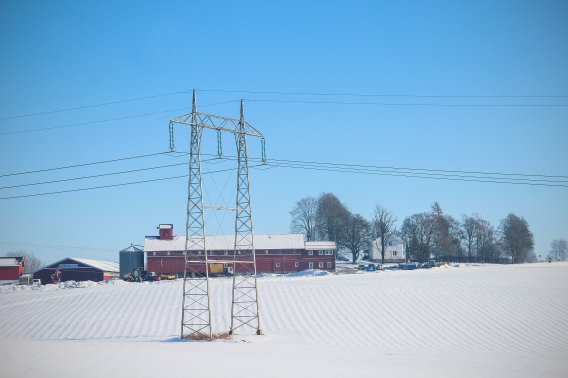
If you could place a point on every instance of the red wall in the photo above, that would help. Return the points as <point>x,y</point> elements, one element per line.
<point>11,272</point>
<point>265,263</point>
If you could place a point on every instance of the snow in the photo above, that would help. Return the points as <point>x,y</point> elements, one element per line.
<point>471,321</point>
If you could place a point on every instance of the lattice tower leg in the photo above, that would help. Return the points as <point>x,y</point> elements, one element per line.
<point>196,314</point>
<point>244,309</point>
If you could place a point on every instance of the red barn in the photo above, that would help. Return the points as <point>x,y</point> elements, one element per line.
<point>275,253</point>
<point>11,268</point>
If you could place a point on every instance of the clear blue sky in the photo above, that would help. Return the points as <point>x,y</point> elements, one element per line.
<point>65,54</point>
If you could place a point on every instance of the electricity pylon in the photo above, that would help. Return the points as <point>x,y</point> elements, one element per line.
<point>196,312</point>
<point>244,309</point>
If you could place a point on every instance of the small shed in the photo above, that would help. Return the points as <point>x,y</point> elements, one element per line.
<point>11,268</point>
<point>78,269</point>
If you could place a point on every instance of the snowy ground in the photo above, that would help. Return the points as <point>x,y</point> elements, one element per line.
<point>477,321</point>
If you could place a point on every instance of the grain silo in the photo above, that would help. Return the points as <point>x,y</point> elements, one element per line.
<point>131,258</point>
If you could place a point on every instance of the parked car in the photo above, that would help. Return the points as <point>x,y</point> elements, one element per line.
<point>361,267</point>
<point>371,268</point>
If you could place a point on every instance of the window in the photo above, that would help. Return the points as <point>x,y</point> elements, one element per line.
<point>329,265</point>
<point>394,253</point>
<point>226,253</point>
<point>329,253</point>
<point>320,265</point>
<point>320,253</point>
<point>266,252</point>
<point>311,265</point>
<point>154,253</point>
<point>278,264</point>
<point>296,264</point>
<point>310,253</point>
<point>168,253</point>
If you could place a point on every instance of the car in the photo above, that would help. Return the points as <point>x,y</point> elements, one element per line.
<point>371,268</point>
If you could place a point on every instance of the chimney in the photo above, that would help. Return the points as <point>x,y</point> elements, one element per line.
<point>166,231</point>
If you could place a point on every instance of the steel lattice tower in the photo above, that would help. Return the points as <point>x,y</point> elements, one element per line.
<point>244,309</point>
<point>196,312</point>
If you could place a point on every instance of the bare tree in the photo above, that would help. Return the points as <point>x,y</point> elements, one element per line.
<point>304,218</point>
<point>558,250</point>
<point>31,262</point>
<point>486,246</point>
<point>383,227</point>
<point>444,243</point>
<point>470,225</point>
<point>331,217</point>
<point>357,235</point>
<point>418,231</point>
<point>516,238</point>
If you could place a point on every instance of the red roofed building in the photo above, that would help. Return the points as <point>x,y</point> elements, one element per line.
<point>11,268</point>
<point>275,253</point>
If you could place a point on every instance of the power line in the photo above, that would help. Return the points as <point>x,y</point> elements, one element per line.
<point>423,175</point>
<point>409,104</point>
<point>76,124</point>
<point>83,165</point>
<point>522,178</point>
<point>419,169</point>
<point>293,93</point>
<point>352,94</point>
<point>100,175</point>
<point>93,105</point>
<point>111,185</point>
<point>56,246</point>
<point>307,166</point>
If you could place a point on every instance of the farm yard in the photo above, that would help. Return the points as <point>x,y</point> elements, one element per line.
<point>492,320</point>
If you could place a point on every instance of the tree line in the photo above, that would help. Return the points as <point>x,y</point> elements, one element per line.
<point>427,235</point>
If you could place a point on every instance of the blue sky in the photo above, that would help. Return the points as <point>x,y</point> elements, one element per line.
<point>67,54</point>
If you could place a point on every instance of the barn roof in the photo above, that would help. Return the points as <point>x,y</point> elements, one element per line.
<point>11,261</point>
<point>227,242</point>
<point>105,266</point>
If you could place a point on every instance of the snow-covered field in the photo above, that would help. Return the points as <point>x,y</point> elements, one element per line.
<point>477,321</point>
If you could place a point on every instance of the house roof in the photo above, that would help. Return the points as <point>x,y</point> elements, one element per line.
<point>227,242</point>
<point>393,239</point>
<point>11,261</point>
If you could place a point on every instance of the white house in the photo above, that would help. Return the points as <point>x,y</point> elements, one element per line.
<point>395,250</point>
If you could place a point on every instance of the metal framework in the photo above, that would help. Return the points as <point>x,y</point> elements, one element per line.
<point>196,312</point>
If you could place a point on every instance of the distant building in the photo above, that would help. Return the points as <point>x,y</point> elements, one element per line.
<point>395,251</point>
<point>78,269</point>
<point>275,253</point>
<point>11,268</point>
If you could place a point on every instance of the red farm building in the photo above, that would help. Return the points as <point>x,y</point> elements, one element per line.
<point>275,253</point>
<point>77,269</point>
<point>11,268</point>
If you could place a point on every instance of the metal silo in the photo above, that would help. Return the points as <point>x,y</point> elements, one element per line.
<point>131,258</point>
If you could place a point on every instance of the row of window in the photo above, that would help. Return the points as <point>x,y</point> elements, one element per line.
<point>310,265</point>
<point>321,253</point>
